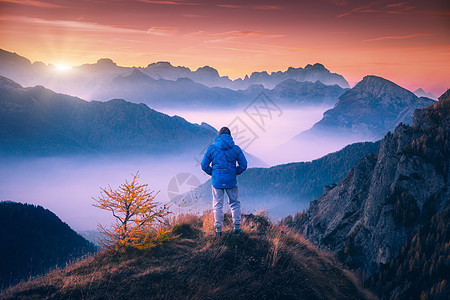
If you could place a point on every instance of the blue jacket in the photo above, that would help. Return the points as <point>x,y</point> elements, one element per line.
<point>220,162</point>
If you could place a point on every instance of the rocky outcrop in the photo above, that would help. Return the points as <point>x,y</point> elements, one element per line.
<point>367,217</point>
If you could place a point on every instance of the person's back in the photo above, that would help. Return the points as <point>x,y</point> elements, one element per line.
<point>220,162</point>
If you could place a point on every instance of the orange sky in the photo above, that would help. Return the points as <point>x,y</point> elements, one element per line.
<point>407,42</point>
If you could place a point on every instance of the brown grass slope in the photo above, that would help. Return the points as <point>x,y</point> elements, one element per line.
<point>265,262</point>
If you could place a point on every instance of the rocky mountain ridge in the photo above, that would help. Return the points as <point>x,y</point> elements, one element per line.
<point>368,216</point>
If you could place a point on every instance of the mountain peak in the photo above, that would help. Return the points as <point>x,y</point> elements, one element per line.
<point>421,93</point>
<point>207,70</point>
<point>160,65</point>
<point>136,74</point>
<point>316,66</point>
<point>380,87</point>
<point>106,62</point>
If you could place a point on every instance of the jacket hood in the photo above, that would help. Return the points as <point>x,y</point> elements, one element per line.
<point>224,141</point>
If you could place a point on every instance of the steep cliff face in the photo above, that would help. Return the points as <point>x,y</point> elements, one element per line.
<point>367,217</point>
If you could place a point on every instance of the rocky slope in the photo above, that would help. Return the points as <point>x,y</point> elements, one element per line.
<point>367,217</point>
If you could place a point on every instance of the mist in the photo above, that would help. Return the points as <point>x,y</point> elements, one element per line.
<point>278,129</point>
<point>66,185</point>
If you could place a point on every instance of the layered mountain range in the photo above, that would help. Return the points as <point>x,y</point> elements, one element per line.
<point>185,93</point>
<point>161,84</point>
<point>371,214</point>
<point>41,122</point>
<point>210,76</point>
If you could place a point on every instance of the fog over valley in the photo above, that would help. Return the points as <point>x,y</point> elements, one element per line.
<point>66,185</point>
<point>278,129</point>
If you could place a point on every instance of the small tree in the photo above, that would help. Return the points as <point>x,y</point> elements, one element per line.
<point>139,218</point>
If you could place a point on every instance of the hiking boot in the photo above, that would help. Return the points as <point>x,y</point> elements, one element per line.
<point>218,233</point>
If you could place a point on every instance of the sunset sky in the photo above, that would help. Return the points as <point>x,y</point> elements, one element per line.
<point>407,42</point>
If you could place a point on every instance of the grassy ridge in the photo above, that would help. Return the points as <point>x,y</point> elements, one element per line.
<point>266,261</point>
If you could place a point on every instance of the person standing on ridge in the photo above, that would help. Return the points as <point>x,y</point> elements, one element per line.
<point>220,162</point>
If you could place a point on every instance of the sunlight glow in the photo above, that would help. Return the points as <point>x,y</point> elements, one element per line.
<point>62,67</point>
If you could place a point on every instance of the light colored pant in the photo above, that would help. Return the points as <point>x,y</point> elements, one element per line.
<point>235,205</point>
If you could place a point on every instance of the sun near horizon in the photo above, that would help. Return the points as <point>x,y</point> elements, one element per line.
<point>407,42</point>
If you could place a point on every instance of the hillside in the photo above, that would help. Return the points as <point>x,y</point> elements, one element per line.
<point>35,240</point>
<point>369,218</point>
<point>38,121</point>
<point>292,186</point>
<point>265,262</point>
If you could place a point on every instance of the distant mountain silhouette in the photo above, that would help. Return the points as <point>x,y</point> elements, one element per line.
<point>161,93</point>
<point>34,240</point>
<point>139,87</point>
<point>311,73</point>
<point>41,122</point>
<point>369,217</point>
<point>93,81</point>
<point>210,76</point>
<point>421,93</point>
<point>292,91</point>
